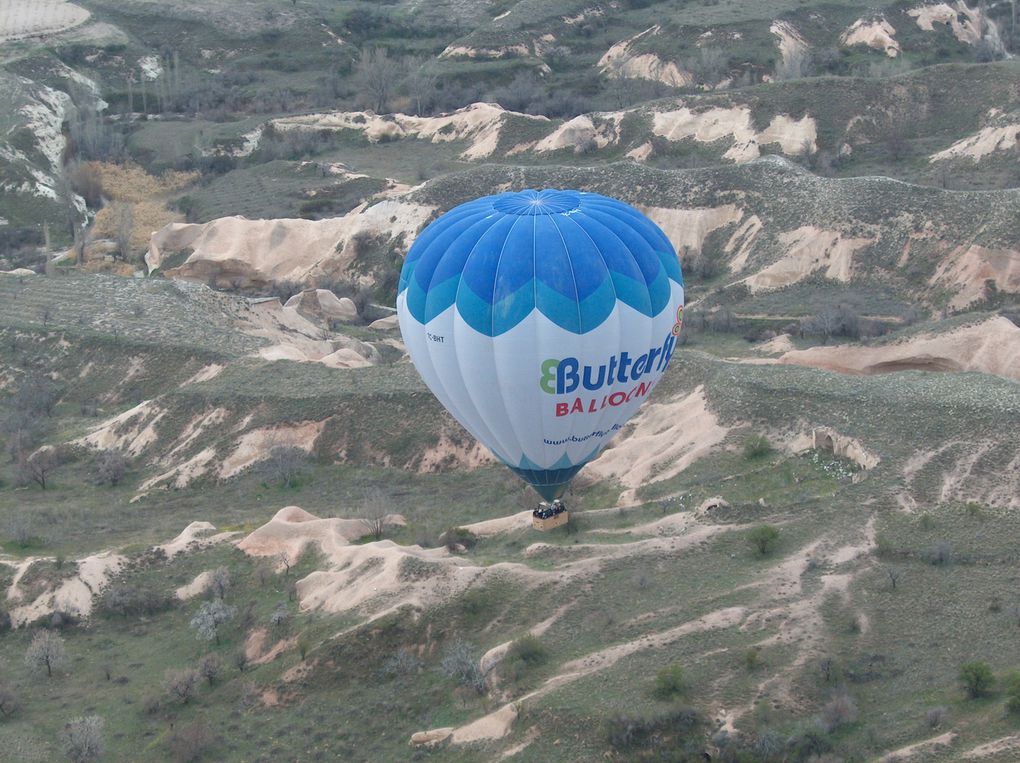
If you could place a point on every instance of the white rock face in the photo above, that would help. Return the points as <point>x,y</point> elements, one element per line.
<point>794,136</point>
<point>877,34</point>
<point>21,19</point>
<point>237,252</point>
<point>620,62</point>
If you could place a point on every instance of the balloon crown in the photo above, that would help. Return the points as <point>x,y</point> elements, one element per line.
<point>570,255</point>
<point>547,202</point>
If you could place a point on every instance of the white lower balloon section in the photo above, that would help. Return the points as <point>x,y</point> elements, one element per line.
<point>539,396</point>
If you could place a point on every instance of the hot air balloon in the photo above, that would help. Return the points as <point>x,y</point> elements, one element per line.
<point>541,320</point>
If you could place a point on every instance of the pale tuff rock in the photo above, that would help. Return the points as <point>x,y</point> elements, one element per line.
<point>968,24</point>
<point>641,153</point>
<point>991,347</point>
<point>807,250</point>
<point>480,124</point>
<point>196,535</point>
<point>292,530</point>
<point>384,324</point>
<point>234,252</point>
<point>196,587</point>
<point>742,242</point>
<point>579,134</point>
<point>1002,133</point>
<point>431,738</point>
<point>505,51</point>
<point>257,444</point>
<point>827,439</point>
<point>132,431</point>
<point>790,42</point>
<point>776,346</point>
<point>205,373</point>
<point>687,229</point>
<point>620,63</point>
<point>73,595</point>
<point>877,34</point>
<point>663,440</point>
<point>322,304</point>
<point>21,19</point>
<point>294,337</point>
<point>794,136</point>
<point>967,269</point>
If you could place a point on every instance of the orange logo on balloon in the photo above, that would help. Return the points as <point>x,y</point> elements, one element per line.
<point>679,321</point>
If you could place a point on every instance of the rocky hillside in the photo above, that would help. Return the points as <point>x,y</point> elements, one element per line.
<point>759,228</point>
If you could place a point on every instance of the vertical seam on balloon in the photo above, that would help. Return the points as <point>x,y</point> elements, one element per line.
<point>456,297</point>
<point>616,297</point>
<point>616,303</point>
<point>534,298</point>
<point>477,413</point>
<point>573,278</point>
<point>495,277</point>
<point>492,333</point>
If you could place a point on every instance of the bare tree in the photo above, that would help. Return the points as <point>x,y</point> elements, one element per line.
<point>283,560</point>
<point>181,685</point>
<point>284,464</point>
<point>211,667</point>
<point>376,75</point>
<point>111,466</point>
<point>797,64</point>
<point>83,739</point>
<point>37,467</point>
<point>47,651</point>
<point>375,511</point>
<point>280,617</point>
<point>420,83</point>
<point>218,582</point>
<point>263,574</point>
<point>894,574</point>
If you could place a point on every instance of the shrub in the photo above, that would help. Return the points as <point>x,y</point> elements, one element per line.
<point>181,685</point>
<point>8,701</point>
<point>402,663</point>
<point>525,653</point>
<point>752,658</point>
<point>110,466</point>
<point>941,554</point>
<point>935,716</point>
<point>839,711</point>
<point>756,447</point>
<point>458,536</point>
<point>977,678</point>
<point>124,599</point>
<point>190,742</point>
<point>763,539</point>
<point>669,682</point>
<point>629,733</point>
<point>460,663</point>
<point>211,667</point>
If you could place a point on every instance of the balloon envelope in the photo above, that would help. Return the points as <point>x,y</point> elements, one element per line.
<point>541,320</point>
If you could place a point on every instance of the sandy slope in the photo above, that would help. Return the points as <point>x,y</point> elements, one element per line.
<point>992,346</point>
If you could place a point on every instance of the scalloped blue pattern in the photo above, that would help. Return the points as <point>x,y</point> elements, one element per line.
<point>569,254</point>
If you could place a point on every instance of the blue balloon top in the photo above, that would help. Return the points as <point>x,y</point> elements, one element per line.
<point>572,255</point>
